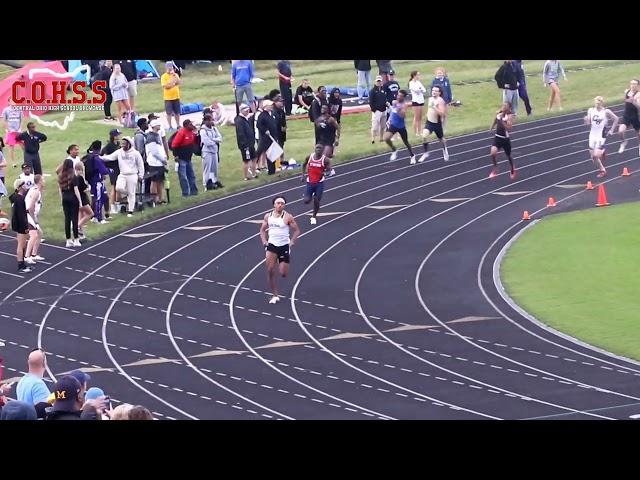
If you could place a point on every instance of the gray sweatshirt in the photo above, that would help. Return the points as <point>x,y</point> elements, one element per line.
<point>551,71</point>
<point>211,138</point>
<point>130,162</point>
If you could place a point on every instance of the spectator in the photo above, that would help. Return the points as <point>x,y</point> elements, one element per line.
<point>119,90</point>
<point>71,201</point>
<point>31,388</point>
<point>363,69</point>
<point>31,140</point>
<point>69,401</point>
<point>112,145</point>
<point>245,137</point>
<point>280,116</point>
<point>3,164</point>
<point>268,131</point>
<point>391,87</point>
<point>157,160</point>
<point>27,175</point>
<point>378,105</point>
<point>19,222</point>
<point>442,80</point>
<point>121,412</point>
<point>522,85</point>
<point>335,104</point>
<point>507,80</point>
<point>96,396</point>
<point>304,95</point>
<point>85,213</point>
<point>551,72</point>
<point>130,72</point>
<point>33,203</point>
<point>12,118</point>
<point>16,410</point>
<point>131,170</point>
<point>183,145</point>
<point>318,102</point>
<point>140,140</point>
<point>285,77</point>
<point>140,413</point>
<point>384,67</point>
<point>104,74</point>
<point>96,171</point>
<point>73,153</point>
<point>417,100</point>
<point>163,135</point>
<point>170,82</point>
<point>218,114</point>
<point>241,77</point>
<point>211,138</point>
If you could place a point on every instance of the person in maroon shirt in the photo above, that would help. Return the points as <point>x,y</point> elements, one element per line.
<point>183,145</point>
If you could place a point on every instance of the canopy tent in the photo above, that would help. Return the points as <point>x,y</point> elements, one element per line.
<point>146,70</point>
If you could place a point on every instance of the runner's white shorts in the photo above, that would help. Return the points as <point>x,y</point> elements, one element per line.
<point>596,142</point>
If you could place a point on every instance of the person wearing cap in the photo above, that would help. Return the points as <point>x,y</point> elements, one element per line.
<point>183,146</point>
<point>33,203</point>
<point>318,102</point>
<point>378,105</point>
<point>16,410</point>
<point>157,159</point>
<point>27,175</point>
<point>241,76</point>
<point>31,140</point>
<point>384,67</point>
<point>131,170</point>
<point>112,145</point>
<point>163,134</point>
<point>170,82</point>
<point>140,140</point>
<point>211,138</point>
<point>69,401</point>
<point>363,75</point>
<point>285,77</point>
<point>31,387</point>
<point>268,133</point>
<point>280,116</point>
<point>96,171</point>
<point>246,140</point>
<point>391,88</point>
<point>19,222</point>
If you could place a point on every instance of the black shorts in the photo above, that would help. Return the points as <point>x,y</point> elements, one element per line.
<point>172,107</point>
<point>113,165</point>
<point>263,145</point>
<point>434,128</point>
<point>248,154</point>
<point>502,143</point>
<point>84,199</point>
<point>282,252</point>
<point>156,174</point>
<point>394,130</point>
<point>631,122</point>
<point>416,104</point>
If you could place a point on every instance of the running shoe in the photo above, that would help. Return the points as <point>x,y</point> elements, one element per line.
<point>314,221</point>
<point>393,157</point>
<point>38,258</point>
<point>94,220</point>
<point>413,160</point>
<point>69,243</point>
<point>601,174</point>
<point>445,154</point>
<point>29,260</point>
<point>493,173</point>
<point>274,299</point>
<point>423,157</point>
<point>25,270</point>
<point>76,243</point>
<point>129,215</point>
<point>623,145</point>
<point>103,221</point>
<point>512,175</point>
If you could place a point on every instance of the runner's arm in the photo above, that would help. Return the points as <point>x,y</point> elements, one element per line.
<point>613,117</point>
<point>296,230</point>
<point>264,226</point>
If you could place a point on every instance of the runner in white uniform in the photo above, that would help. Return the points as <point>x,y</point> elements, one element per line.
<point>279,224</point>
<point>436,116</point>
<point>33,201</point>
<point>598,118</point>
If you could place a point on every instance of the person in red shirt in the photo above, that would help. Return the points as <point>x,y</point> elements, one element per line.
<point>314,168</point>
<point>183,146</point>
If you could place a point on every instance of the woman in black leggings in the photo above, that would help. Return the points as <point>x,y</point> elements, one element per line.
<point>71,201</point>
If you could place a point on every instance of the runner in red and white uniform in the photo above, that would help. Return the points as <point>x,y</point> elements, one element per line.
<point>314,169</point>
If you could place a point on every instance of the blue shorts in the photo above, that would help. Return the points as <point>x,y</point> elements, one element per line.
<point>314,189</point>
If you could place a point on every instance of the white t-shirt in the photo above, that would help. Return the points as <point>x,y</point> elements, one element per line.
<point>417,91</point>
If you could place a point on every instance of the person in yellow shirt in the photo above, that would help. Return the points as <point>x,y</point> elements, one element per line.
<point>170,82</point>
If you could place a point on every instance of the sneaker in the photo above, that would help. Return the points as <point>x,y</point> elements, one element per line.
<point>103,221</point>
<point>493,173</point>
<point>94,220</point>
<point>29,260</point>
<point>332,172</point>
<point>129,215</point>
<point>314,221</point>
<point>81,235</point>
<point>445,154</point>
<point>622,146</point>
<point>76,243</point>
<point>601,174</point>
<point>372,142</point>
<point>274,299</point>
<point>423,157</point>
<point>393,157</point>
<point>512,175</point>
<point>25,270</point>
<point>413,160</point>
<point>69,243</point>
<point>38,258</point>
<point>219,184</point>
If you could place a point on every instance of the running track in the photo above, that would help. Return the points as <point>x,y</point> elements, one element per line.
<point>393,308</point>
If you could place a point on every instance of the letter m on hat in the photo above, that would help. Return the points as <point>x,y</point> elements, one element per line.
<point>61,395</point>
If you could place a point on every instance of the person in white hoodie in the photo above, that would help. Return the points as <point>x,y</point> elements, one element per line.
<point>211,138</point>
<point>131,170</point>
<point>157,160</point>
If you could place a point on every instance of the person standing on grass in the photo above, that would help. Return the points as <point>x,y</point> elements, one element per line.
<point>104,74</point>
<point>281,124</point>
<point>313,170</point>
<point>436,117</point>
<point>384,67</point>
<point>363,78</point>
<point>304,95</point>
<point>112,145</point>
<point>19,222</point>
<point>12,119</point>
<point>3,164</point>
<point>396,124</point>
<point>378,105</point>
<point>157,160</point>
<point>211,138</point>
<point>31,140</point>
<point>598,118</point>
<point>119,91</point>
<point>130,72</point>
<point>33,203</point>
<point>503,122</point>
<point>335,104</point>
<point>278,233</point>
<point>507,79</point>
<point>246,140</point>
<point>96,172</point>
<point>71,201</point>
<point>170,82</point>
<point>241,76</point>
<point>318,102</point>
<point>268,132</point>
<point>631,115</point>
<point>285,77</point>
<point>417,99</point>
<point>183,146</point>
<point>131,170</point>
<point>550,76</point>
<point>522,85</point>
<point>85,212</point>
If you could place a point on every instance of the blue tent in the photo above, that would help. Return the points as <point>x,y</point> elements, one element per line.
<point>82,75</point>
<point>146,69</point>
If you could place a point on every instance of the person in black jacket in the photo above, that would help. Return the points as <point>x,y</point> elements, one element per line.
<point>280,115</point>
<point>285,77</point>
<point>131,73</point>
<point>31,140</point>
<point>246,138</point>
<point>19,222</point>
<point>378,104</point>
<point>318,102</point>
<point>507,79</point>
<point>69,401</point>
<point>268,132</point>
<point>335,104</point>
<point>104,74</point>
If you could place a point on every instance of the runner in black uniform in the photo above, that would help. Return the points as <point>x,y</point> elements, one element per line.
<point>327,131</point>
<point>503,123</point>
<point>631,115</point>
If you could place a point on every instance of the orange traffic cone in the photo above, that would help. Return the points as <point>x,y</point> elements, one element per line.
<point>551,202</point>
<point>625,172</point>
<point>589,185</point>
<point>525,215</point>
<point>602,197</point>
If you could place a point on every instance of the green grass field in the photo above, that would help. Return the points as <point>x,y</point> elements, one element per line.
<point>203,83</point>
<point>578,272</point>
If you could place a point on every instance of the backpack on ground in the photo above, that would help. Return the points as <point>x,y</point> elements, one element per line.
<point>129,120</point>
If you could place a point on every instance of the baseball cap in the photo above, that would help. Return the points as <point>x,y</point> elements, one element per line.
<point>152,116</point>
<point>80,376</point>
<point>25,165</point>
<point>128,139</point>
<point>169,64</point>
<point>16,410</point>
<point>115,132</point>
<point>18,183</point>
<point>244,106</point>
<point>378,78</point>
<point>93,393</point>
<point>67,390</point>
<point>155,123</point>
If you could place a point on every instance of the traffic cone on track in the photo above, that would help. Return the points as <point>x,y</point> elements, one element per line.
<point>551,202</point>
<point>625,172</point>
<point>602,197</point>
<point>589,185</point>
<point>525,215</point>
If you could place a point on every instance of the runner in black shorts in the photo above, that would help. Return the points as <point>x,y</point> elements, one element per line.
<point>436,115</point>
<point>501,141</point>
<point>396,124</point>
<point>631,115</point>
<point>327,131</point>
